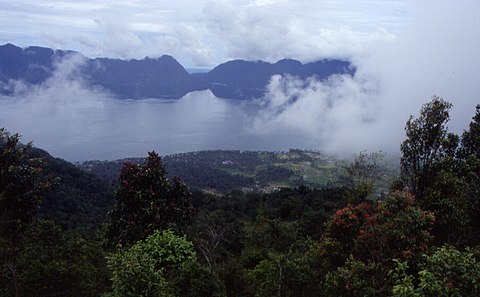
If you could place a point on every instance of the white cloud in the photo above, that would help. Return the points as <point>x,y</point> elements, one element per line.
<point>247,29</point>
<point>339,112</point>
<point>119,39</point>
<point>192,45</point>
<point>436,54</point>
<point>272,33</point>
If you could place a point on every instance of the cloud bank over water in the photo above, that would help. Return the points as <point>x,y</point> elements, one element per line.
<point>336,112</point>
<point>437,54</point>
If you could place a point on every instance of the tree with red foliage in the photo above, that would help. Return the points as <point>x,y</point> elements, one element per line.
<point>393,228</point>
<point>146,200</point>
<point>368,236</point>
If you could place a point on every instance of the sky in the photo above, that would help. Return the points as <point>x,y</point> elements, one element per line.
<point>404,51</point>
<point>203,33</point>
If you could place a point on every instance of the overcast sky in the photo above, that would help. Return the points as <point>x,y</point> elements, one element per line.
<point>205,33</point>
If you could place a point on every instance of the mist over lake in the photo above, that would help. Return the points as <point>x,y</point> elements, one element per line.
<point>79,127</point>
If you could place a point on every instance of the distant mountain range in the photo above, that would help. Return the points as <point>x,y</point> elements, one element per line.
<point>162,77</point>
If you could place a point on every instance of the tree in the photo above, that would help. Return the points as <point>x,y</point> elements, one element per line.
<point>291,273</point>
<point>427,145</point>
<point>361,241</point>
<point>362,173</point>
<point>149,267</point>
<point>366,167</point>
<point>469,155</point>
<point>446,272</point>
<point>393,228</point>
<point>213,231</point>
<point>471,138</point>
<point>147,201</point>
<point>355,278</point>
<point>56,263</point>
<point>432,171</point>
<point>21,187</point>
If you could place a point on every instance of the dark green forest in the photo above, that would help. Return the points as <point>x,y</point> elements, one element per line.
<point>247,223</point>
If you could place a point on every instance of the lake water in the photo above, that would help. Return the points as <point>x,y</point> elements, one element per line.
<point>87,126</point>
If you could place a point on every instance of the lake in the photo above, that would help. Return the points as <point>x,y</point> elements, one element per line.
<point>84,125</point>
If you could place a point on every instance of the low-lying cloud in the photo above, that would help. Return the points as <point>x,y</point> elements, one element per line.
<point>338,112</point>
<point>437,54</point>
<point>55,114</point>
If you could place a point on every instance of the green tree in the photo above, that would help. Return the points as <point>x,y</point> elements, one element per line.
<point>149,267</point>
<point>362,173</point>
<point>469,154</point>
<point>432,171</point>
<point>195,280</point>
<point>147,201</point>
<point>355,278</point>
<point>21,187</point>
<point>471,137</point>
<point>446,272</point>
<point>54,263</point>
<point>212,233</point>
<point>426,146</point>
<point>291,273</point>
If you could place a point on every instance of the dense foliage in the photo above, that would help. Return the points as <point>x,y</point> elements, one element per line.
<point>445,272</point>
<point>147,201</point>
<point>57,263</point>
<point>21,187</point>
<point>149,265</point>
<point>78,200</point>
<point>443,172</point>
<point>37,257</point>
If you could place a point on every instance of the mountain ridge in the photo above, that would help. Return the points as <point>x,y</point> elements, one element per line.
<point>162,77</point>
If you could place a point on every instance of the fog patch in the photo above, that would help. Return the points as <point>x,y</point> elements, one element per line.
<point>436,54</point>
<point>56,114</point>
<point>337,112</point>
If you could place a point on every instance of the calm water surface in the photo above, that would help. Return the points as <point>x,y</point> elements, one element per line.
<point>80,128</point>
